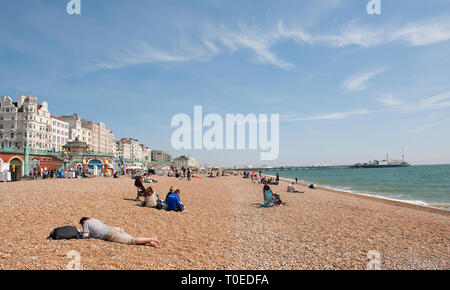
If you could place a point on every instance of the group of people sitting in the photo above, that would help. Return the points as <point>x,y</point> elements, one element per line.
<point>272,181</point>
<point>171,202</point>
<point>258,177</point>
<point>151,199</point>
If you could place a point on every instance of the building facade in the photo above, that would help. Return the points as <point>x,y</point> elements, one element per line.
<point>27,122</point>
<point>102,138</point>
<point>186,161</point>
<point>76,131</point>
<point>129,148</point>
<point>161,156</point>
<point>146,153</point>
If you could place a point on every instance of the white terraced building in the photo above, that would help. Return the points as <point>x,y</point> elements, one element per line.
<point>27,121</point>
<point>77,131</point>
<point>186,161</point>
<point>102,139</point>
<point>130,148</point>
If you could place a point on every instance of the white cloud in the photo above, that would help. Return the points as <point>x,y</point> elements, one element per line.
<point>261,41</point>
<point>144,53</point>
<point>358,82</point>
<point>390,101</point>
<point>434,102</point>
<point>416,34</point>
<point>429,125</point>
<point>424,33</point>
<point>332,116</point>
<point>438,101</point>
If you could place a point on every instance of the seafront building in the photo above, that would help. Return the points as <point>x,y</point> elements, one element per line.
<point>102,138</point>
<point>29,123</point>
<point>130,148</point>
<point>186,161</point>
<point>159,156</point>
<point>34,141</point>
<point>146,153</point>
<point>76,130</point>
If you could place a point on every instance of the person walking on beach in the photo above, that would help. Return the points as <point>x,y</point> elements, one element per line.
<point>296,179</point>
<point>96,229</point>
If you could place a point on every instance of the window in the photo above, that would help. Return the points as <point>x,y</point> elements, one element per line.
<point>12,135</point>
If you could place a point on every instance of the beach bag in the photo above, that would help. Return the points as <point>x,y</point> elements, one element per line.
<point>64,233</point>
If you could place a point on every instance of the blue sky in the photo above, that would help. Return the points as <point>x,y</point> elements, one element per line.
<point>348,86</point>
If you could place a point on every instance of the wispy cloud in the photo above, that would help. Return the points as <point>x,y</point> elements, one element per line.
<point>260,42</point>
<point>416,34</point>
<point>424,33</point>
<point>426,126</point>
<point>144,53</point>
<point>438,101</point>
<point>435,102</point>
<point>358,82</point>
<point>332,116</point>
<point>390,101</point>
<point>221,39</point>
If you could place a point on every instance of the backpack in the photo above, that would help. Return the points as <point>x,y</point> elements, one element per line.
<point>66,232</point>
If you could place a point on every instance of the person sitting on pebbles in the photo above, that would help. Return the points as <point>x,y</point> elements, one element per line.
<point>270,198</point>
<point>96,229</point>
<point>173,201</point>
<point>291,188</point>
<point>149,198</point>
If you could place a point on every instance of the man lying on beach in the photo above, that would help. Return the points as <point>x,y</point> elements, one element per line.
<point>94,228</point>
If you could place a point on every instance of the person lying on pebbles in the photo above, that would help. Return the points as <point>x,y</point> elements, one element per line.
<point>96,229</point>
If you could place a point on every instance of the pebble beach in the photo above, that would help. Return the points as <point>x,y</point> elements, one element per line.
<point>223,228</point>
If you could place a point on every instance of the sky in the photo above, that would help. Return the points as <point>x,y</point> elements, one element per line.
<point>348,86</point>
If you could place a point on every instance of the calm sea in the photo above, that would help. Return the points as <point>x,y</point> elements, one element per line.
<point>427,185</point>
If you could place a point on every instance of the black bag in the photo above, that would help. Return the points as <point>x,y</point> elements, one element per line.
<point>64,233</point>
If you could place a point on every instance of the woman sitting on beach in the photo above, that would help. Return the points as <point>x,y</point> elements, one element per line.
<point>291,188</point>
<point>271,199</point>
<point>149,198</point>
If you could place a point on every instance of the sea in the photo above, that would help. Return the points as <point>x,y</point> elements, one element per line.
<point>426,185</point>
